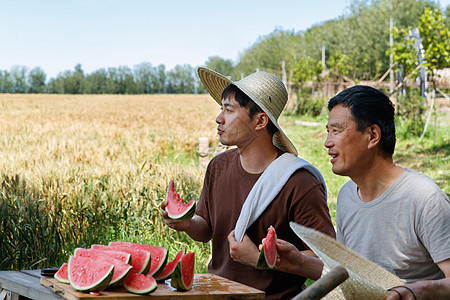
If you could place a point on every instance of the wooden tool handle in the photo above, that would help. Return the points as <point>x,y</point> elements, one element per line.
<point>324,285</point>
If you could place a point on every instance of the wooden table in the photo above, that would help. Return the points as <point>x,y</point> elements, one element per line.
<point>31,285</point>
<point>20,284</point>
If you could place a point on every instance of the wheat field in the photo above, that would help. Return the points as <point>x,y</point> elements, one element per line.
<point>58,136</point>
<point>84,169</point>
<point>101,165</point>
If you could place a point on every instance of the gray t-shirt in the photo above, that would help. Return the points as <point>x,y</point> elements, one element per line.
<point>406,230</point>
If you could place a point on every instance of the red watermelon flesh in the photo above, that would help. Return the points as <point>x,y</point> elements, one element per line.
<point>176,207</point>
<point>268,255</point>
<point>120,255</point>
<point>88,275</point>
<point>158,255</point>
<point>140,259</point>
<point>140,284</point>
<point>62,275</point>
<point>121,269</point>
<point>183,275</point>
<point>170,267</point>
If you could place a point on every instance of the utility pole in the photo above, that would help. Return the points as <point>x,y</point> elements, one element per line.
<point>323,56</point>
<point>391,56</point>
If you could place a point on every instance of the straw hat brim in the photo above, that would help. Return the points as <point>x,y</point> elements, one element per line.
<point>367,280</point>
<point>216,83</point>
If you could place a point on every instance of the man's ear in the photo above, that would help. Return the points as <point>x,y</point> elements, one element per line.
<point>374,132</point>
<point>261,120</point>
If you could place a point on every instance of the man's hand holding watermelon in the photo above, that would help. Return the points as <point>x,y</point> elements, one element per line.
<point>185,220</point>
<point>291,260</point>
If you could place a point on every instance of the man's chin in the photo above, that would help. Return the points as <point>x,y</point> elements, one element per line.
<point>338,171</point>
<point>225,143</point>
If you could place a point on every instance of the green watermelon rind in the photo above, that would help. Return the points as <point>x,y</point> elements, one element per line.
<point>187,214</point>
<point>100,285</point>
<point>263,263</point>
<point>158,271</point>
<point>58,277</point>
<point>119,280</point>
<point>171,264</point>
<point>141,291</point>
<point>177,280</point>
<point>116,281</point>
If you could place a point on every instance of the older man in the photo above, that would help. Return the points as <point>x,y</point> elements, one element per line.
<point>394,216</point>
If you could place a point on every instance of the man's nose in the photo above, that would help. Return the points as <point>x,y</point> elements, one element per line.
<point>328,142</point>
<point>219,118</point>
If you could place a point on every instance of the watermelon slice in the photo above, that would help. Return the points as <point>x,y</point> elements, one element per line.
<point>121,269</point>
<point>62,275</point>
<point>268,255</point>
<point>170,267</point>
<point>140,259</point>
<point>140,284</point>
<point>88,275</point>
<point>176,207</point>
<point>183,275</point>
<point>158,255</point>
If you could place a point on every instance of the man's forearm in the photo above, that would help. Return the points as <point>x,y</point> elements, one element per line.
<point>199,230</point>
<point>311,265</point>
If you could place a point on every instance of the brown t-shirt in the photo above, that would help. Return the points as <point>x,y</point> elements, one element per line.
<point>226,186</point>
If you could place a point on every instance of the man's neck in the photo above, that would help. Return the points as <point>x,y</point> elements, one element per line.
<point>379,177</point>
<point>257,157</point>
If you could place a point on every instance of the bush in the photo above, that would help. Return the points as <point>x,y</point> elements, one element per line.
<point>312,107</point>
<point>410,116</point>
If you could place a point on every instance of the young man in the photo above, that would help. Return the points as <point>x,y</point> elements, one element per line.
<point>393,216</point>
<point>249,178</point>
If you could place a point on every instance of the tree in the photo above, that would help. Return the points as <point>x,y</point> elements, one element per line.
<point>305,69</point>
<point>125,80</point>
<point>73,82</point>
<point>18,76</point>
<point>56,85</point>
<point>97,82</point>
<point>268,53</point>
<point>143,75</point>
<point>220,65</point>
<point>181,80</point>
<point>435,36</point>
<point>159,78</point>
<point>6,83</point>
<point>37,80</point>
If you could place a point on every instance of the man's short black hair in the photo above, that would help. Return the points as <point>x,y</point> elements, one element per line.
<point>247,102</point>
<point>369,106</point>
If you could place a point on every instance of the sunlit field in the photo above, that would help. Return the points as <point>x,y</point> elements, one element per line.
<point>99,166</point>
<point>79,170</point>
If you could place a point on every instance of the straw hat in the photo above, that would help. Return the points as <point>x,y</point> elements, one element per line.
<point>265,89</point>
<point>366,279</point>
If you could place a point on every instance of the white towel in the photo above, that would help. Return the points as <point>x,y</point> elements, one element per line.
<point>267,187</point>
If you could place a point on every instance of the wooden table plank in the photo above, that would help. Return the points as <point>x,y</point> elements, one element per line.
<point>26,284</point>
<point>30,284</point>
<point>206,286</point>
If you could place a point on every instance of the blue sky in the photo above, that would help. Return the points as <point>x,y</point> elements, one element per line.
<point>58,34</point>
